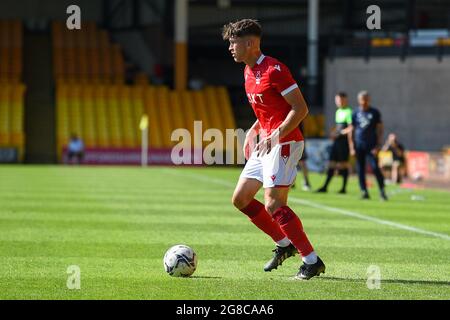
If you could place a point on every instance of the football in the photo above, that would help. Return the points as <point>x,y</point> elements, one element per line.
<point>180,261</point>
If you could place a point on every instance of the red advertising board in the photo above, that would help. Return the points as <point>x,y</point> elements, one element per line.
<point>418,164</point>
<point>128,156</point>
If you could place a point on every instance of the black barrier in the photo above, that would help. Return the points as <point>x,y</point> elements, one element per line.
<point>230,309</point>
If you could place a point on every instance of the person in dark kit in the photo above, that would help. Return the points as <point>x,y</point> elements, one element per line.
<point>367,133</point>
<point>76,149</point>
<point>340,152</point>
<point>398,156</point>
<point>304,168</point>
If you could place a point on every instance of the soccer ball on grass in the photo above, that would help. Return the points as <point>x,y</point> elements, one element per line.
<point>180,261</point>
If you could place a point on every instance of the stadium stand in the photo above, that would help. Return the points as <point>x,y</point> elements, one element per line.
<point>107,115</point>
<point>93,100</point>
<point>86,56</point>
<point>314,126</point>
<point>12,91</point>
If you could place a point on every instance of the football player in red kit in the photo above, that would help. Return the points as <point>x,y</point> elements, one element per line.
<point>279,108</point>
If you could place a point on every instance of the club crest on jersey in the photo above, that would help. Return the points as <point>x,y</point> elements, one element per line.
<point>277,66</point>
<point>258,77</point>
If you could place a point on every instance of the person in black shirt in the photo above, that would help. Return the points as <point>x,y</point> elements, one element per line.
<point>302,165</point>
<point>398,156</point>
<point>367,133</point>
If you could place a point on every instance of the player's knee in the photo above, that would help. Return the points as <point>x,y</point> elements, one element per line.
<point>240,201</point>
<point>272,205</point>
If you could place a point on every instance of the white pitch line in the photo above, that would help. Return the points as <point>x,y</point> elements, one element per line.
<point>316,205</point>
<point>369,218</point>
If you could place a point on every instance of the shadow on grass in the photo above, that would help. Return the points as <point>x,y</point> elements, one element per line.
<point>204,277</point>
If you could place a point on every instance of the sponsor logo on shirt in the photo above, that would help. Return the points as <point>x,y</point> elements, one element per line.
<point>255,98</point>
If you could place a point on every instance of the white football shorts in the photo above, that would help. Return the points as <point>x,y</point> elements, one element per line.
<point>278,168</point>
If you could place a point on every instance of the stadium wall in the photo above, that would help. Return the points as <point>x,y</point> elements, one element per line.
<point>35,10</point>
<point>413,96</point>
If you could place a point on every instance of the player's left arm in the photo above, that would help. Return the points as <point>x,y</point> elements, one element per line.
<point>351,130</point>
<point>299,111</point>
<point>380,132</point>
<point>282,81</point>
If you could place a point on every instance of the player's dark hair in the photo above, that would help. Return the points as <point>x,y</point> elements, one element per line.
<point>241,28</point>
<point>341,94</point>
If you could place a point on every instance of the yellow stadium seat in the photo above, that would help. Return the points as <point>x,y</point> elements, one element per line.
<point>137,97</point>
<point>11,91</point>
<point>17,118</point>
<point>201,111</point>
<point>88,110</point>
<point>226,107</point>
<point>118,64</point>
<point>126,115</point>
<point>213,109</point>
<point>176,111</point>
<point>105,65</point>
<point>187,99</point>
<point>103,134</point>
<point>165,116</point>
<point>113,116</point>
<point>141,79</point>
<point>83,64</point>
<point>75,110</point>
<point>156,130</point>
<point>5,63</point>
<point>227,113</point>
<point>5,130</point>
<point>62,117</point>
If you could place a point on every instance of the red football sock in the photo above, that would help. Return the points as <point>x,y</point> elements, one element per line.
<point>257,213</point>
<point>293,229</point>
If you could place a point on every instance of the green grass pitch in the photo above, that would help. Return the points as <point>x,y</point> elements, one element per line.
<point>116,223</point>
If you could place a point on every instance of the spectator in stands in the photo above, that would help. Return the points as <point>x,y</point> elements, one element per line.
<point>367,133</point>
<point>76,149</point>
<point>398,156</point>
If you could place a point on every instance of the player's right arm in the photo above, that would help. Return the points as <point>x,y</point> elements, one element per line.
<point>351,144</point>
<point>379,133</point>
<point>351,130</point>
<point>386,145</point>
<point>250,139</point>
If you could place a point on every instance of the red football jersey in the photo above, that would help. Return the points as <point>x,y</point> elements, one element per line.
<point>266,84</point>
